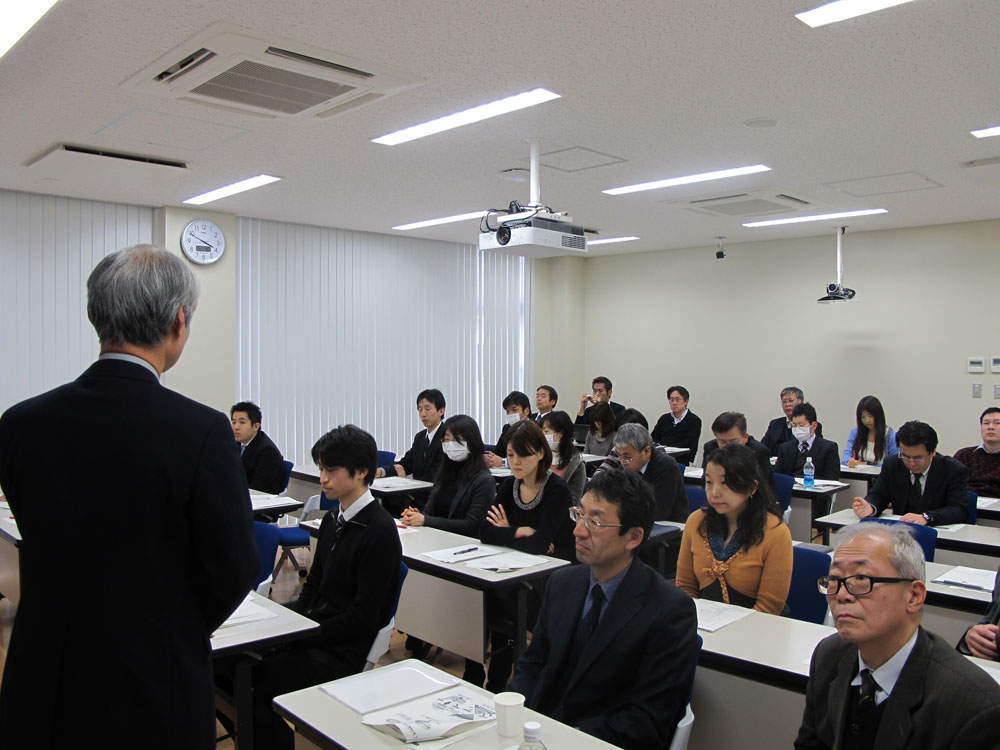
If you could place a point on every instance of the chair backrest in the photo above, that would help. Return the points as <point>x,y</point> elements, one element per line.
<point>696,498</point>
<point>926,536</point>
<point>403,570</point>
<point>267,538</point>
<point>682,732</point>
<point>783,485</point>
<point>385,458</point>
<point>973,507</point>
<point>804,600</point>
<point>288,474</point>
<point>326,503</point>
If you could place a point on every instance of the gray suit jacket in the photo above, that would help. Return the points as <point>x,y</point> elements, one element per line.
<point>940,701</point>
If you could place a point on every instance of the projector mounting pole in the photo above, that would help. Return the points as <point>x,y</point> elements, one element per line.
<point>534,190</point>
<point>840,255</point>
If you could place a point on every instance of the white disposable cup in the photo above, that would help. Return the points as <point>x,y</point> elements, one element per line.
<point>510,714</point>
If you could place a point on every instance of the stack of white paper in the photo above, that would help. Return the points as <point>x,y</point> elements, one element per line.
<point>507,562</point>
<point>970,578</point>
<point>462,553</point>
<point>715,615</point>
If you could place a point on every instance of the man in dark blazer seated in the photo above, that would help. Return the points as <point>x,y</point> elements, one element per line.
<point>807,443</point>
<point>424,456</point>
<point>636,453</point>
<point>517,408</point>
<point>922,487</point>
<point>981,639</point>
<point>779,430</point>
<point>262,461</point>
<point>613,651</point>
<point>730,428</point>
<point>602,393</point>
<point>882,681</point>
<point>137,531</point>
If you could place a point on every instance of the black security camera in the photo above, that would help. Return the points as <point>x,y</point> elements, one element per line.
<point>503,235</point>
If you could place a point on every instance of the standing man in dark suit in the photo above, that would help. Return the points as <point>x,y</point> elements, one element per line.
<point>922,487</point>
<point>636,453</point>
<point>779,430</point>
<point>883,681</point>
<point>151,500</point>
<point>614,648</point>
<point>730,428</point>
<point>680,427</point>
<point>262,461</point>
<point>601,394</point>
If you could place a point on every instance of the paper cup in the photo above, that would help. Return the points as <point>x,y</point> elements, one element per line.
<point>510,714</point>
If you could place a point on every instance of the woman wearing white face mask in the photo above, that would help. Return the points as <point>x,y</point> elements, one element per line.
<point>566,461</point>
<point>463,489</point>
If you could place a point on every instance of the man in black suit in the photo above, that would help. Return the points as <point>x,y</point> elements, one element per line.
<point>517,409</point>
<point>883,681</point>
<point>614,648</point>
<point>636,453</point>
<point>779,430</point>
<point>601,394</point>
<point>424,456</point>
<point>981,639</point>
<point>730,428</point>
<point>137,534</point>
<point>262,461</point>
<point>922,487</point>
<point>546,399</point>
<point>350,588</point>
<point>807,443</point>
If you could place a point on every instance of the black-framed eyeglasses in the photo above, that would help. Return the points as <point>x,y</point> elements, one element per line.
<point>859,585</point>
<point>576,515</point>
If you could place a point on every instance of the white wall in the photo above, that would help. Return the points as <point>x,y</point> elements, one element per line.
<point>734,332</point>
<point>558,331</point>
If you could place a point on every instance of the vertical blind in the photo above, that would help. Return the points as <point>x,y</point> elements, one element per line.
<point>338,327</point>
<point>48,247</point>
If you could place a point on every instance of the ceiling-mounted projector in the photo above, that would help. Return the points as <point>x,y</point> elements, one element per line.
<point>838,292</point>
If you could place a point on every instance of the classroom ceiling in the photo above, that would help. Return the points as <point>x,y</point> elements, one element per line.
<point>874,112</point>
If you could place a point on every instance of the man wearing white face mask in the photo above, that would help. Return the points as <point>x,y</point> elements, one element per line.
<point>824,453</point>
<point>518,408</point>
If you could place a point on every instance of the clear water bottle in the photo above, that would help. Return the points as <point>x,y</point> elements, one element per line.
<point>809,473</point>
<point>532,739</point>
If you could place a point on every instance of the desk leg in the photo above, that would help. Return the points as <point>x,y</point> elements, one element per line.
<point>826,535</point>
<point>520,622</point>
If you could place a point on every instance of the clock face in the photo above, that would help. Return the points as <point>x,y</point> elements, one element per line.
<point>202,241</point>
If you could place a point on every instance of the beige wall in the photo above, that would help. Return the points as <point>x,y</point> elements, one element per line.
<point>207,370</point>
<point>557,326</point>
<point>735,331</point>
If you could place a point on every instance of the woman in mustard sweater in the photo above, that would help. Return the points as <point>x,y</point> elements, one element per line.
<point>736,549</point>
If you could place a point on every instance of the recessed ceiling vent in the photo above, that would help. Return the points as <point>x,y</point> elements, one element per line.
<point>242,70</point>
<point>754,203</point>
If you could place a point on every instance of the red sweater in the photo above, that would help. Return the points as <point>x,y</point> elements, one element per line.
<point>984,470</point>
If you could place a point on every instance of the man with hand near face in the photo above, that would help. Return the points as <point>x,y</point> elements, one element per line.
<point>601,394</point>
<point>922,487</point>
<point>517,408</point>
<point>883,681</point>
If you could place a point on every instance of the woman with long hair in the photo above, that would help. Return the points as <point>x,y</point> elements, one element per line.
<point>871,442</point>
<point>566,461</point>
<point>601,438</point>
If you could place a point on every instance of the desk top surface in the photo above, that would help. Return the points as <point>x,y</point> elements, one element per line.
<point>263,502</point>
<point>8,528</point>
<point>973,534</point>
<point>285,626</point>
<point>945,591</point>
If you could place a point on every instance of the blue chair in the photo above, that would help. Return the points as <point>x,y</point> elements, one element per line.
<point>926,536</point>
<point>386,458</point>
<point>267,538</point>
<point>293,536</point>
<point>973,507</point>
<point>783,485</point>
<point>804,600</point>
<point>381,643</point>
<point>696,498</point>
<point>288,475</point>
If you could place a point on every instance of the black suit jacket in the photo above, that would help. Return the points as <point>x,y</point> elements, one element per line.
<point>945,496</point>
<point>683,435</point>
<point>631,681</point>
<point>940,701</point>
<point>667,480</point>
<point>778,433</point>
<point>760,451</point>
<point>585,417</point>
<point>262,462</point>
<point>137,544</point>
<point>465,510</point>
<point>423,458</point>
<point>824,453</point>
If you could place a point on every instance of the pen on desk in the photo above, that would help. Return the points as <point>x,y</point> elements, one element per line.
<point>465,551</point>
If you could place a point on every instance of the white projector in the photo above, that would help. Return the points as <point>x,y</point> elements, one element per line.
<point>535,238</point>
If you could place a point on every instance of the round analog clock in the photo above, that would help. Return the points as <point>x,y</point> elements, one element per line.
<point>202,241</point>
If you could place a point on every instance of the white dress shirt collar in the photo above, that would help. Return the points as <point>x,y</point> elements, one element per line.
<point>130,358</point>
<point>887,675</point>
<point>678,420</point>
<point>358,505</point>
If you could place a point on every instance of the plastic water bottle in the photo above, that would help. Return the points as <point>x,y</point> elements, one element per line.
<point>532,741</point>
<point>809,473</point>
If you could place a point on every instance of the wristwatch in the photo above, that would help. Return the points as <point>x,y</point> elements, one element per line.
<point>927,517</point>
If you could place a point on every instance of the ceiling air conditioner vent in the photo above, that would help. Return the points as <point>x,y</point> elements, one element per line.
<point>242,70</point>
<point>753,203</point>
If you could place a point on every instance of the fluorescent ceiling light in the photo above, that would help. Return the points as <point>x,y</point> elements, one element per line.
<point>987,132</point>
<point>443,220</point>
<point>237,187</point>
<point>610,240</point>
<point>817,217</point>
<point>17,19</point>
<point>468,116</point>
<point>841,10</point>
<point>704,177</point>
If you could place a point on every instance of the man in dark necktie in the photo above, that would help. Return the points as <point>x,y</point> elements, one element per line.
<point>614,648</point>
<point>883,681</point>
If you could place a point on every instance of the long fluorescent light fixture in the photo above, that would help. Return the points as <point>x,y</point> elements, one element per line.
<point>18,18</point>
<point>817,217</point>
<point>841,10</point>
<point>986,132</point>
<point>468,116</point>
<point>443,220</point>
<point>688,179</point>
<point>237,187</point>
<point>610,240</point>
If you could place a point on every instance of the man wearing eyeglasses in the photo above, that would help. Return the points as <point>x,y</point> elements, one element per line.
<point>883,681</point>
<point>636,453</point>
<point>922,487</point>
<point>614,649</point>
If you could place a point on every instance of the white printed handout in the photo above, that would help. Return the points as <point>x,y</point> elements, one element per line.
<point>432,717</point>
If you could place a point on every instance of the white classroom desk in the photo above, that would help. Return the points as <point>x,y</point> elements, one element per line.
<point>10,556</point>
<point>321,721</point>
<point>951,610</point>
<point>267,506</point>
<point>973,545</point>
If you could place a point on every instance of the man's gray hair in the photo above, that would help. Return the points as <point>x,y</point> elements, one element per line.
<point>797,392</point>
<point>634,435</point>
<point>133,295</point>
<point>906,554</point>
